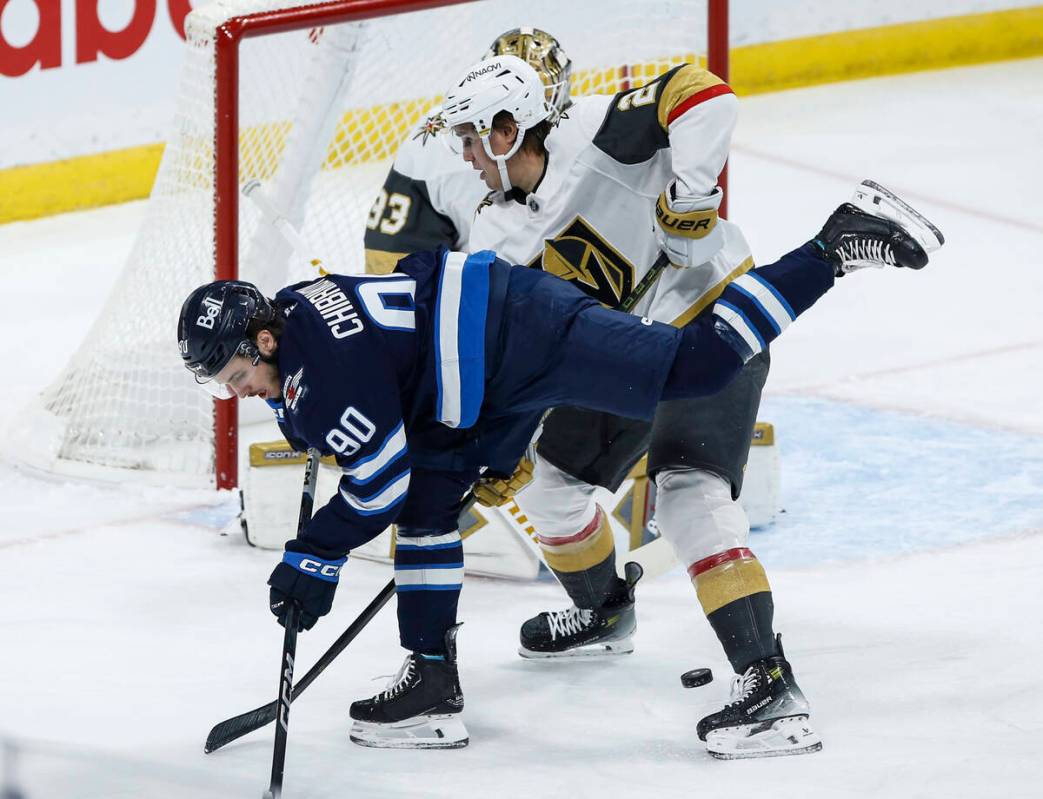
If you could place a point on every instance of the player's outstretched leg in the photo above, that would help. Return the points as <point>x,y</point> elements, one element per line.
<point>878,230</point>
<point>419,709</point>
<point>575,632</point>
<point>766,717</point>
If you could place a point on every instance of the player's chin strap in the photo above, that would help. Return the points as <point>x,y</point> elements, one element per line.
<point>501,160</point>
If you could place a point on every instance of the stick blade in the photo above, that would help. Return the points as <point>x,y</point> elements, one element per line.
<point>231,729</point>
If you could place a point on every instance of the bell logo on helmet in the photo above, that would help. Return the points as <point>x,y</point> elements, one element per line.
<point>210,309</point>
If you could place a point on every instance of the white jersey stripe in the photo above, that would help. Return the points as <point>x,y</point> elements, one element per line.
<point>448,345</point>
<point>762,294</point>
<point>738,322</point>
<point>428,541</point>
<point>364,470</point>
<point>392,493</point>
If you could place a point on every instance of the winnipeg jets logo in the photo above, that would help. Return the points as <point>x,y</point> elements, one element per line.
<point>292,390</point>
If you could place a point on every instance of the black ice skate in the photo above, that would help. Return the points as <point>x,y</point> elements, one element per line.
<point>586,633</point>
<point>877,229</point>
<point>767,715</point>
<point>419,709</point>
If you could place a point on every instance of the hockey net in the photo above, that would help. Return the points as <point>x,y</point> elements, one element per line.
<point>312,100</point>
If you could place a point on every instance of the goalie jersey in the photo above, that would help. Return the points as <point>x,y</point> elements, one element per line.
<point>591,218</point>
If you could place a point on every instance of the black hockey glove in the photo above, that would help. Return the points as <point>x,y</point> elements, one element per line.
<point>306,579</point>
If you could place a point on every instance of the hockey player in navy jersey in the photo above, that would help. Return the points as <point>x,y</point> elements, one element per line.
<point>417,380</point>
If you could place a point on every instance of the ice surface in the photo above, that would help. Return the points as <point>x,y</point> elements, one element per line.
<point>905,570</point>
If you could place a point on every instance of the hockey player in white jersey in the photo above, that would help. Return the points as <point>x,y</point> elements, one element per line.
<point>594,198</point>
<point>429,196</point>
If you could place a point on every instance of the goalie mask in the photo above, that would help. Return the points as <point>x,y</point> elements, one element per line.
<point>501,83</point>
<point>543,53</point>
<point>212,329</point>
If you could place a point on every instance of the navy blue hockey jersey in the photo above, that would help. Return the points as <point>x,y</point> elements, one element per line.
<point>383,371</point>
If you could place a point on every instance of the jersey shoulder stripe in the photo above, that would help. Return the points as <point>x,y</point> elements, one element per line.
<point>684,88</point>
<point>637,123</point>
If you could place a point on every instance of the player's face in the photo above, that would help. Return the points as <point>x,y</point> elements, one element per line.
<point>474,153</point>
<point>243,378</point>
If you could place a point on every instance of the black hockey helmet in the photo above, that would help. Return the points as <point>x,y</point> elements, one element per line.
<point>212,327</point>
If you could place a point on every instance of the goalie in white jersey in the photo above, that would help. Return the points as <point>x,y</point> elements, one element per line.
<point>595,198</point>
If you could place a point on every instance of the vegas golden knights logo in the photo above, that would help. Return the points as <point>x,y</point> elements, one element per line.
<point>594,266</point>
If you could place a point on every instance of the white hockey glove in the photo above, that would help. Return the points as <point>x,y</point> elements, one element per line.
<point>686,228</point>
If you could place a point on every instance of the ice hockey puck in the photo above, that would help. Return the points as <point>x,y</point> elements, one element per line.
<point>696,677</point>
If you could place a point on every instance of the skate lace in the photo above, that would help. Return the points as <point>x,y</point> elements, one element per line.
<point>743,685</point>
<point>866,252</point>
<point>568,622</point>
<point>400,681</point>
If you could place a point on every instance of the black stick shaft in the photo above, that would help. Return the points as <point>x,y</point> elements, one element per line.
<point>282,729</point>
<point>289,641</point>
<point>639,291</point>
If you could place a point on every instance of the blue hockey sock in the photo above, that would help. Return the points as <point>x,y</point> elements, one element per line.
<point>755,308</point>
<point>429,571</point>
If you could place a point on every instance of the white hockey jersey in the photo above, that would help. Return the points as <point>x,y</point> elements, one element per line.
<point>591,219</point>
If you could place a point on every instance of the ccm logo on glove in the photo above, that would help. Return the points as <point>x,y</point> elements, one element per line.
<point>328,570</point>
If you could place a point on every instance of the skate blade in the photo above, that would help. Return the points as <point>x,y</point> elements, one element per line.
<point>419,732</point>
<point>601,649</point>
<point>792,735</point>
<point>873,198</point>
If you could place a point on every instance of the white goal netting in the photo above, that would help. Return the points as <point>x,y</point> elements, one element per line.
<point>321,112</point>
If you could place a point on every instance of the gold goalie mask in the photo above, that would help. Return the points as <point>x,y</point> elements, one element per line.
<point>543,53</point>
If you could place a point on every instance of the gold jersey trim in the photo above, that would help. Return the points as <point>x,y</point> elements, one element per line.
<point>687,81</point>
<point>379,262</point>
<point>710,296</point>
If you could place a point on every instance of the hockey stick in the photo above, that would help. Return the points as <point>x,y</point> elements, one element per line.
<point>289,641</point>
<point>639,291</point>
<point>236,727</point>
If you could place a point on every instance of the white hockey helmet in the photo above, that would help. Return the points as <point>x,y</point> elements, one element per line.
<point>501,83</point>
